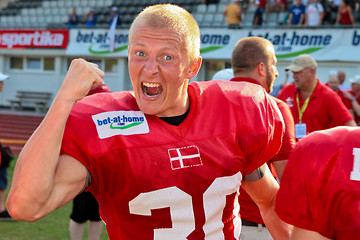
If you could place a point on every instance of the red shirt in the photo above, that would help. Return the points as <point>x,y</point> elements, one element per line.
<point>249,210</point>
<point>320,187</point>
<point>99,89</point>
<point>260,3</point>
<point>154,180</point>
<point>344,99</point>
<point>325,107</point>
<point>357,118</point>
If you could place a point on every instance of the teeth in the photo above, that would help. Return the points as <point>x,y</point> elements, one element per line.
<point>151,84</point>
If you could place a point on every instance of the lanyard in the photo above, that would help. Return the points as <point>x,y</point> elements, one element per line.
<point>306,103</point>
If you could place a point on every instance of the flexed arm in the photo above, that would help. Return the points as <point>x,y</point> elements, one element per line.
<point>43,180</point>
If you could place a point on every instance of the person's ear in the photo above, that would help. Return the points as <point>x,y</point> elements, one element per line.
<point>261,69</point>
<point>194,68</point>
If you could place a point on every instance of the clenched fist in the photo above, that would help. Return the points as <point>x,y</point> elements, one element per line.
<point>80,78</point>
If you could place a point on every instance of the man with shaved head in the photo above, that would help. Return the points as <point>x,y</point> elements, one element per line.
<point>253,60</point>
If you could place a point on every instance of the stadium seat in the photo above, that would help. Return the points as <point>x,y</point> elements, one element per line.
<point>31,11</point>
<point>68,4</point>
<point>46,4</point>
<point>63,11</point>
<point>199,17</point>
<point>24,12</point>
<point>208,20</point>
<point>219,20</point>
<point>247,19</point>
<point>221,7</point>
<point>39,11</point>
<point>201,8</point>
<point>53,4</point>
<point>47,11</point>
<point>211,8</point>
<point>270,19</point>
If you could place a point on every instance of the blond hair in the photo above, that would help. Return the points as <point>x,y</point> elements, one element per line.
<point>171,17</point>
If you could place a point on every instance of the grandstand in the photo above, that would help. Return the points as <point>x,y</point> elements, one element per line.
<point>36,46</point>
<point>54,13</point>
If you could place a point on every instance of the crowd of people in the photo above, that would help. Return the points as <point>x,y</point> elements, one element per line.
<point>312,13</point>
<point>299,13</point>
<point>90,18</point>
<point>217,159</point>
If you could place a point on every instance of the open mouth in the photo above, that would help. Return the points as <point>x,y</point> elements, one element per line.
<point>151,89</point>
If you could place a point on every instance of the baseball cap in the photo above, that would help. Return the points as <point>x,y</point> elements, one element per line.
<point>355,79</point>
<point>3,77</point>
<point>224,74</point>
<point>114,9</point>
<point>302,61</point>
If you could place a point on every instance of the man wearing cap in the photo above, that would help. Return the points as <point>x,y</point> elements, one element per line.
<point>313,105</point>
<point>354,97</point>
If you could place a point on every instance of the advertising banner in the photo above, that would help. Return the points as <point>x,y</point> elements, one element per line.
<point>96,42</point>
<point>11,39</point>
<point>322,44</point>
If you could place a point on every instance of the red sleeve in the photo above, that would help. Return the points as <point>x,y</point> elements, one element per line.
<point>338,111</point>
<point>269,126</point>
<point>289,140</point>
<point>344,99</point>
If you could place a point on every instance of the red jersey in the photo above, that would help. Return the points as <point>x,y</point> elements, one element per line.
<point>99,89</point>
<point>249,210</point>
<point>320,187</point>
<point>325,107</point>
<point>154,180</point>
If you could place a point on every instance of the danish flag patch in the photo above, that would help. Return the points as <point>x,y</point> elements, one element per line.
<point>184,157</point>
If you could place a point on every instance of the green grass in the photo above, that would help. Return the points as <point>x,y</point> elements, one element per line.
<point>55,226</point>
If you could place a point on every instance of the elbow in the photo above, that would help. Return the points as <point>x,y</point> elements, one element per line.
<point>21,210</point>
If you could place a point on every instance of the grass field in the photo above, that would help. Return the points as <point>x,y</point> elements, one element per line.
<point>55,226</point>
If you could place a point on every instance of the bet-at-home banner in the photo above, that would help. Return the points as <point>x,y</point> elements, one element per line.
<point>322,44</point>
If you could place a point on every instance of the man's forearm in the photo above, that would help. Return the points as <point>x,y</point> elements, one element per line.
<point>279,229</point>
<point>34,174</point>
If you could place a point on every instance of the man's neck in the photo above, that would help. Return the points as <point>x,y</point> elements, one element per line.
<point>306,92</point>
<point>256,78</point>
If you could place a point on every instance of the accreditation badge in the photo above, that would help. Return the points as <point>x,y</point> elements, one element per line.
<point>300,130</point>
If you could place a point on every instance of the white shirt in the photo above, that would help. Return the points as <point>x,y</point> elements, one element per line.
<point>313,11</point>
<point>345,86</point>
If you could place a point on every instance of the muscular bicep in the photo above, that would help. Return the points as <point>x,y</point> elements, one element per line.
<point>300,234</point>
<point>70,178</point>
